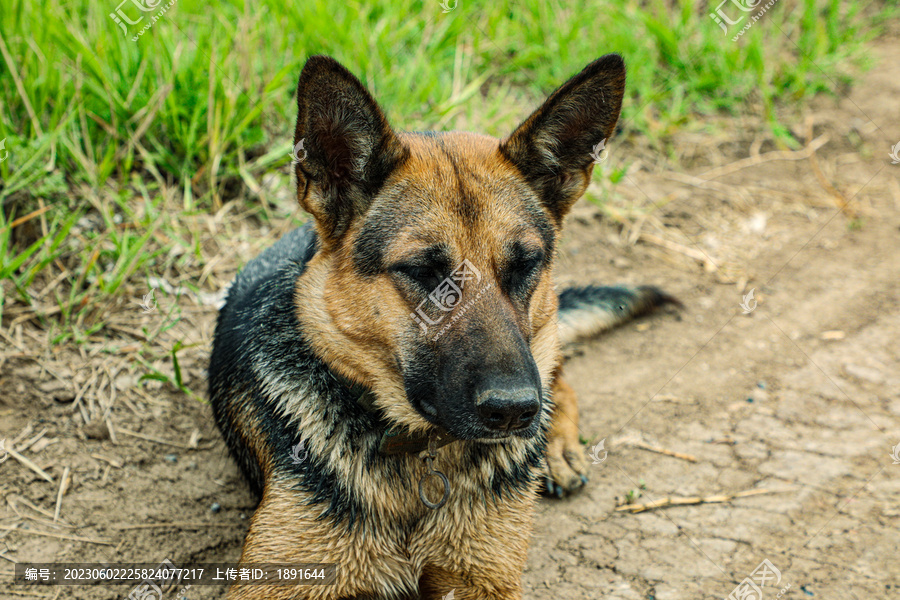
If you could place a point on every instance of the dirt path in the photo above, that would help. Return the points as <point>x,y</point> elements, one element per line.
<point>800,396</point>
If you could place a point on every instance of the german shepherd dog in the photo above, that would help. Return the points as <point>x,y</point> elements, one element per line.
<point>388,376</point>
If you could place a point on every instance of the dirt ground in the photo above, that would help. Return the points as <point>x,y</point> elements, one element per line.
<point>798,397</point>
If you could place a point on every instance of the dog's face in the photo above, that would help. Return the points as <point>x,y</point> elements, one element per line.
<point>441,244</point>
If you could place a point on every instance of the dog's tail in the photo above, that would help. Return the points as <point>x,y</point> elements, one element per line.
<point>589,310</point>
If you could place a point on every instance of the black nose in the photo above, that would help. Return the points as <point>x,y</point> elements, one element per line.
<point>508,410</point>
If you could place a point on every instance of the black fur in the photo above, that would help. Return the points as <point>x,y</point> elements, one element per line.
<point>624,301</point>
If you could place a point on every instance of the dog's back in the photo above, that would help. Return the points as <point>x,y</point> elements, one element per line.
<point>258,301</point>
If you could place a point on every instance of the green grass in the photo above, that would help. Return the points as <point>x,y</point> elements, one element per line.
<point>145,134</point>
<point>203,99</point>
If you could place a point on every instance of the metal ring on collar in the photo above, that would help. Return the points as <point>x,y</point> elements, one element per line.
<point>424,498</point>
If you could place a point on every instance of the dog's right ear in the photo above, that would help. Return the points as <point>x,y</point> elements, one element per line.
<point>348,148</point>
<point>553,147</point>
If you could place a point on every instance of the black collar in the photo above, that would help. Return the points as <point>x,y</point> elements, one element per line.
<point>394,440</point>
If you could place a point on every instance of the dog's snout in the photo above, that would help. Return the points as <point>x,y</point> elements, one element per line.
<point>508,410</point>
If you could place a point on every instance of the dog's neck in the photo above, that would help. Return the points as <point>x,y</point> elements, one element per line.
<point>396,440</point>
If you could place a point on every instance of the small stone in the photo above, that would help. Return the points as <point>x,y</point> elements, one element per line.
<point>60,391</point>
<point>757,223</point>
<point>96,430</point>
<point>865,373</point>
<point>172,458</point>
<point>759,395</point>
<point>215,507</point>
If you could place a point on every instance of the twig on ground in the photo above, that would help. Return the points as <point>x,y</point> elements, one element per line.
<point>726,190</point>
<point>63,486</point>
<point>116,462</point>
<point>77,403</point>
<point>175,525</point>
<point>112,431</point>
<point>659,450</point>
<point>767,157</point>
<point>26,218</point>
<point>15,508</point>
<point>840,199</point>
<point>29,443</point>
<point>675,501</point>
<point>61,536</point>
<point>30,465</point>
<point>22,435</point>
<point>16,500</point>
<point>708,263</point>
<point>128,331</point>
<point>157,440</point>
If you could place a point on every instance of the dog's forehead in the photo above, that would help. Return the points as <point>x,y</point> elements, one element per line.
<point>455,190</point>
<point>463,179</point>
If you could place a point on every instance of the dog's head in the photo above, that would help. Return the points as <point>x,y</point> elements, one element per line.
<point>439,246</point>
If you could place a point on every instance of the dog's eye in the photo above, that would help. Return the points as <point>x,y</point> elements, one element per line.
<point>425,276</point>
<point>520,272</point>
<point>527,265</point>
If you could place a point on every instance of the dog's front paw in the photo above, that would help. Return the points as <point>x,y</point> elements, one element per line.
<point>566,467</point>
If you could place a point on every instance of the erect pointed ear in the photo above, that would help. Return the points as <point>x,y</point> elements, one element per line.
<point>344,147</point>
<point>553,147</point>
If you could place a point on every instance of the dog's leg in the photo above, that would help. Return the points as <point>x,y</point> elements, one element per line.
<point>566,463</point>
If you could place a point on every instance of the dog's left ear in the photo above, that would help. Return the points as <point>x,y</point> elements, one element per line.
<point>553,147</point>
<point>348,148</point>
